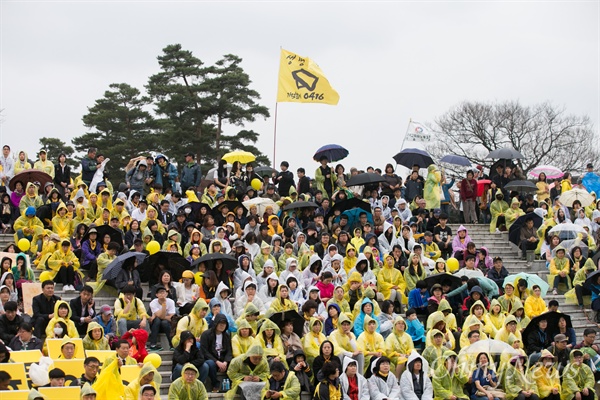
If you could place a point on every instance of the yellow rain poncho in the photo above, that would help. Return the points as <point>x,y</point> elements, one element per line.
<point>291,387</point>
<point>412,278</point>
<point>576,377</point>
<point>274,348</point>
<point>399,344</point>
<point>546,378</point>
<point>524,321</point>
<point>194,322</point>
<point>579,279</point>
<point>60,259</point>
<point>369,342</point>
<point>71,328</point>
<point>89,343</point>
<point>109,384</point>
<point>195,238</point>
<point>240,345</point>
<point>343,343</point>
<point>279,305</point>
<point>450,318</point>
<point>498,207</point>
<point>494,322</point>
<point>434,353</point>
<point>516,381</point>
<point>181,390</point>
<point>31,226</point>
<point>311,342</point>
<point>132,390</point>
<point>432,321</point>
<point>446,383</point>
<point>432,189</point>
<point>62,226</point>
<point>239,369</point>
<point>535,306</point>
<point>387,278</point>
<point>30,199</point>
<point>470,323</point>
<point>513,212</point>
<point>152,214</point>
<point>504,333</point>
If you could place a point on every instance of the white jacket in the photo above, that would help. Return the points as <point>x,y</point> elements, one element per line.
<point>381,389</point>
<point>406,382</point>
<point>363,385</point>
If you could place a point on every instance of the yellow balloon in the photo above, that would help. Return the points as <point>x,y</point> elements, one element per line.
<point>256,184</point>
<point>154,359</point>
<point>24,244</point>
<point>198,278</point>
<point>452,264</point>
<point>153,247</point>
<point>45,276</point>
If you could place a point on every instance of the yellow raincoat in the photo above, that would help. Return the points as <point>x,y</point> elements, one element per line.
<point>152,214</point>
<point>239,369</point>
<point>31,226</point>
<point>369,342</point>
<point>446,384</point>
<point>311,342</point>
<point>71,328</point>
<point>90,343</point>
<point>498,207</point>
<point>432,321</point>
<point>60,259</point>
<point>513,212</point>
<point>27,200</point>
<point>132,391</point>
<point>279,305</point>
<point>432,189</point>
<point>194,322</point>
<point>275,347</point>
<point>576,378</point>
<point>240,345</point>
<point>398,344</point>
<point>387,278</point>
<point>62,226</point>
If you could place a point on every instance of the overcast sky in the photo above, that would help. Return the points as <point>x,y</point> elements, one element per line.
<point>388,61</point>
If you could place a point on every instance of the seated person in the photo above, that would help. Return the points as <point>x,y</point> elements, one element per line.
<point>130,311</point>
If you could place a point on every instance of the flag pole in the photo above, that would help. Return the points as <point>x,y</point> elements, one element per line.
<point>405,134</point>
<point>275,137</point>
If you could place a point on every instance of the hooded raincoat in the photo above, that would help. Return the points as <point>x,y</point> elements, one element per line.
<point>576,377</point>
<point>181,390</point>
<point>133,389</point>
<point>194,322</point>
<point>91,344</point>
<point>362,383</point>
<point>369,342</point>
<point>241,367</point>
<point>398,344</point>
<point>71,328</point>
<point>407,379</point>
<point>446,383</point>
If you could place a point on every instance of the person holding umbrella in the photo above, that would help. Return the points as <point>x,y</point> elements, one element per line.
<point>325,177</point>
<point>528,238</point>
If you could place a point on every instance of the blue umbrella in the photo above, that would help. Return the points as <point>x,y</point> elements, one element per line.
<point>333,152</point>
<point>456,160</point>
<point>116,265</point>
<point>591,181</point>
<point>410,157</point>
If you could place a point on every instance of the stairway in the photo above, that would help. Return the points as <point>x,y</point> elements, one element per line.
<point>498,245</point>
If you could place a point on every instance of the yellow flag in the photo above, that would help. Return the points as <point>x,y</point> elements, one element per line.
<point>302,81</point>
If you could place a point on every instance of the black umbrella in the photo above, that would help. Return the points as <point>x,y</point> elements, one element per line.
<point>229,262</point>
<point>592,278</point>
<point>349,204</point>
<point>265,171</point>
<point>365,179</point>
<point>300,204</point>
<point>454,280</point>
<point>410,157</point>
<point>552,317</point>
<point>102,230</point>
<point>514,232</point>
<point>116,265</point>
<point>29,175</point>
<point>506,152</point>
<point>521,186</point>
<point>292,315</point>
<point>231,205</point>
<point>174,262</point>
<point>196,206</point>
<point>333,152</point>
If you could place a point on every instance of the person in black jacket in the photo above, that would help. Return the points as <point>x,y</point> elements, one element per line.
<point>9,322</point>
<point>215,345</point>
<point>82,309</point>
<point>284,179</point>
<point>303,182</point>
<point>43,308</point>
<point>188,352</point>
<point>326,356</point>
<point>62,174</point>
<point>164,215</point>
<point>538,339</point>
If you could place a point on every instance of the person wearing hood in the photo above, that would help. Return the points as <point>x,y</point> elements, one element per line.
<point>578,379</point>
<point>62,313</point>
<point>414,272</point>
<point>263,258</point>
<point>391,283</point>
<point>510,327</point>
<point>189,386</point>
<point>35,395</point>
<point>399,345</point>
<point>30,198</point>
<point>194,322</point>
<point>61,223</point>
<point>518,384</point>
<point>382,384</point>
<point>187,353</point>
<point>362,267</point>
<point>291,269</point>
<point>148,375</point>
<point>498,209</point>
<point>354,385</point>
<point>94,339</point>
<point>241,342</point>
<point>494,319</point>
<point>414,382</point>
<point>249,296</point>
<point>215,307</point>
<point>460,241</point>
<point>546,377</point>
<point>535,304</point>
<point>215,345</point>
<point>437,322</point>
<point>187,293</point>
<point>282,301</point>
<point>247,372</point>
<point>244,268</point>
<point>269,338</point>
<point>268,292</point>
<point>448,380</point>
<point>313,340</point>
<point>167,171</point>
<point>136,177</point>
<point>87,392</point>
<point>560,270</point>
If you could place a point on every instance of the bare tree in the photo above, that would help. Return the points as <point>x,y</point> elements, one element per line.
<point>543,133</point>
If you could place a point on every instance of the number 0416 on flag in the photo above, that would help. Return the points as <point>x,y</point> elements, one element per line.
<point>302,81</point>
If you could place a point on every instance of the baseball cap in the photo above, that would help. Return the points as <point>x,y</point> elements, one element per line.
<point>105,309</point>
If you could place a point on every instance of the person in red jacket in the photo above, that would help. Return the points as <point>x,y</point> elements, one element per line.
<point>468,197</point>
<point>137,339</point>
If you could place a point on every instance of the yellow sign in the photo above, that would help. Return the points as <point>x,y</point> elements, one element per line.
<point>101,355</point>
<point>18,378</point>
<point>302,81</point>
<point>73,370</point>
<point>54,346</point>
<point>60,393</point>
<point>14,395</point>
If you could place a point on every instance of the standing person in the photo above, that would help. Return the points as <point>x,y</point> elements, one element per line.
<point>89,165</point>
<point>44,164</point>
<point>325,178</point>
<point>433,190</point>
<point>284,179</point>
<point>168,173</point>
<point>62,175</point>
<point>392,181</point>
<point>191,173</point>
<point>468,196</point>
<point>303,182</point>
<point>8,166</point>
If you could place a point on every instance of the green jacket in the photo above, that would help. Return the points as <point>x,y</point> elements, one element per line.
<point>445,384</point>
<point>575,379</point>
<point>180,390</point>
<point>516,381</point>
<point>239,369</point>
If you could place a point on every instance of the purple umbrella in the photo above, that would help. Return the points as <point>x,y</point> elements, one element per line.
<point>333,152</point>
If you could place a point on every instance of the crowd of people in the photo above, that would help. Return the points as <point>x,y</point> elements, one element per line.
<point>377,297</point>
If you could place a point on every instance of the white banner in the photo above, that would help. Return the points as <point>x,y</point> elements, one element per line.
<point>417,132</point>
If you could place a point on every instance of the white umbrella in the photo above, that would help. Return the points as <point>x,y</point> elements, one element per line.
<point>567,198</point>
<point>567,227</point>
<point>261,204</point>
